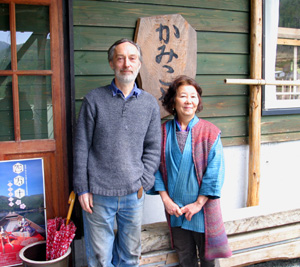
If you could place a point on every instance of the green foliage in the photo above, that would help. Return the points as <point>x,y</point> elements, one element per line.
<point>289,13</point>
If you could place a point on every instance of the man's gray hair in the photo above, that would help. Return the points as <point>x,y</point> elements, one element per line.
<point>111,50</point>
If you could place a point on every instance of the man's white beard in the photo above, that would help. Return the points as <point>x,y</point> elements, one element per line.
<point>127,78</point>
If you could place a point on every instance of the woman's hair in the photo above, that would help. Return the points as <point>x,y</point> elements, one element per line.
<point>111,50</point>
<point>168,101</point>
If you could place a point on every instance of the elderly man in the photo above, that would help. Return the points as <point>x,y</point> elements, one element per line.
<point>116,153</point>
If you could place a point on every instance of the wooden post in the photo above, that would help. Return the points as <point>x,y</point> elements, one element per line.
<point>255,104</point>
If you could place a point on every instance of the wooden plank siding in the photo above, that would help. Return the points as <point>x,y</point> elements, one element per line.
<point>124,15</point>
<point>222,28</point>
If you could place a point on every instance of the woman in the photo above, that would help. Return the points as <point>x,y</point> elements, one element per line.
<point>190,177</point>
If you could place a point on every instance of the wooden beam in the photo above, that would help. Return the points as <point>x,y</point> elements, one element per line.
<point>284,251</point>
<point>257,218</point>
<point>288,42</point>
<point>255,104</point>
<point>262,82</point>
<point>259,238</point>
<point>159,258</point>
<point>290,33</point>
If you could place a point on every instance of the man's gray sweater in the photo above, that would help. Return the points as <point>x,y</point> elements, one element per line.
<point>117,143</point>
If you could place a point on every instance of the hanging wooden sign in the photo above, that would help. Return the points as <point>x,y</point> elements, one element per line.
<point>169,48</point>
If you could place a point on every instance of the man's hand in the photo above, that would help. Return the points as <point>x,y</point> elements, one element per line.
<point>86,202</point>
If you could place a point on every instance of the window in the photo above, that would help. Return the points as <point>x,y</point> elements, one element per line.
<point>25,73</point>
<point>281,57</point>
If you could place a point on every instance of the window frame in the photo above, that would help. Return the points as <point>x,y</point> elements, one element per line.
<point>265,109</point>
<point>54,72</point>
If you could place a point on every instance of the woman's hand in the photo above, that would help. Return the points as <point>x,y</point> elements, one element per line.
<point>194,208</point>
<point>171,207</point>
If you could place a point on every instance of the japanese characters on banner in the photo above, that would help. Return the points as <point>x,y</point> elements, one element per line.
<point>22,207</point>
<point>169,49</point>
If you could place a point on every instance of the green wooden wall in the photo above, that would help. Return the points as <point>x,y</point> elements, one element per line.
<point>223,52</point>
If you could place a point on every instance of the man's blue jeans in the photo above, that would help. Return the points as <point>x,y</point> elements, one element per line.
<point>103,247</point>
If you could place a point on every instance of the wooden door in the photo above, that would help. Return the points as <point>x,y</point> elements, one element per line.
<point>32,100</point>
